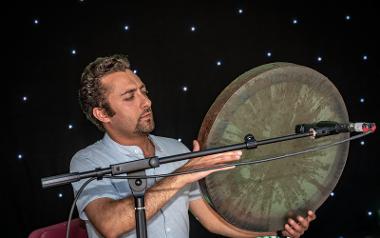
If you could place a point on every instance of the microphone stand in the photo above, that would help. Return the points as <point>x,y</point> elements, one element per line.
<point>138,167</point>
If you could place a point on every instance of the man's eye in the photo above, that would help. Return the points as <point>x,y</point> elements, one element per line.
<point>146,92</point>
<point>129,98</point>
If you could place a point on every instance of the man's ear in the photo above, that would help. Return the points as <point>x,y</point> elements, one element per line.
<point>100,114</point>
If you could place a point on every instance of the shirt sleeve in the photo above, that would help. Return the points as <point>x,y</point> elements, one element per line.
<point>94,190</point>
<point>195,192</point>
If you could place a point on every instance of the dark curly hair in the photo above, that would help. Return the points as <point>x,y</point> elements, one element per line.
<point>91,92</point>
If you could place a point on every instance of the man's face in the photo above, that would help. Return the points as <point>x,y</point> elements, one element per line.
<point>127,96</point>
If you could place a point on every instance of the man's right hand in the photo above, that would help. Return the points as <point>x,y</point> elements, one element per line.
<point>207,161</point>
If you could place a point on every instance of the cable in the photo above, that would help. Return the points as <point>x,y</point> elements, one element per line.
<point>308,150</point>
<point>73,205</point>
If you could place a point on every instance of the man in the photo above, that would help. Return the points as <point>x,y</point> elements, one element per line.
<point>116,101</point>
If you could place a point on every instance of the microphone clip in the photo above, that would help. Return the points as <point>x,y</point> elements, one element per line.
<point>250,141</point>
<point>322,128</point>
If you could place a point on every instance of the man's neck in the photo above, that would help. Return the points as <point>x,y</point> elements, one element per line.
<point>141,141</point>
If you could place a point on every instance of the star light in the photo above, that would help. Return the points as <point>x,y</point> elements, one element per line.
<point>365,57</point>
<point>179,139</point>
<point>184,88</point>
<point>35,21</point>
<point>74,52</point>
<point>362,100</point>
<point>369,213</point>
<point>218,63</point>
<point>348,17</point>
<point>192,28</point>
<point>19,156</point>
<point>362,142</point>
<point>332,194</point>
<point>319,59</point>
<point>70,126</point>
<point>60,195</point>
<point>135,71</point>
<point>295,21</point>
<point>25,98</point>
<point>269,54</point>
<point>126,27</point>
<point>240,11</point>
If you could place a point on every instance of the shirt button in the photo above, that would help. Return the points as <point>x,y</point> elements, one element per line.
<point>168,229</point>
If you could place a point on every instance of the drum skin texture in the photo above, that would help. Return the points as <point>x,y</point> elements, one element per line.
<point>269,101</point>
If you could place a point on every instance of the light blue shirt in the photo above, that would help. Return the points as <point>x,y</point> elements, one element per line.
<point>172,220</point>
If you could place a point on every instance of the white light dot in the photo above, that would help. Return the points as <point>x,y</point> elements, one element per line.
<point>60,195</point>
<point>35,21</point>
<point>19,156</point>
<point>126,27</point>
<point>348,17</point>
<point>362,142</point>
<point>179,139</point>
<point>184,88</point>
<point>269,54</point>
<point>319,59</point>
<point>73,52</point>
<point>240,11</point>
<point>192,28</point>
<point>24,98</point>
<point>135,71</point>
<point>218,63</point>
<point>365,57</point>
<point>362,100</point>
<point>70,126</point>
<point>295,21</point>
<point>332,194</point>
<point>168,229</point>
<point>369,213</point>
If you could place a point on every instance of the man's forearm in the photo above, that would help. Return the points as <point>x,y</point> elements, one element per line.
<point>221,227</point>
<point>117,217</point>
<point>231,231</point>
<point>216,224</point>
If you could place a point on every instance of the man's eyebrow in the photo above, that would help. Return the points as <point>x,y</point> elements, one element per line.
<point>128,91</point>
<point>132,90</point>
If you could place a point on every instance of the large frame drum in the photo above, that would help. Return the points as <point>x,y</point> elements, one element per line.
<point>269,101</point>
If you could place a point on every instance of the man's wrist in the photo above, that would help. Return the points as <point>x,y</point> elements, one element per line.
<point>280,235</point>
<point>277,234</point>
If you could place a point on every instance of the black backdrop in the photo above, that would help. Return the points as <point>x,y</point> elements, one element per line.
<point>47,46</point>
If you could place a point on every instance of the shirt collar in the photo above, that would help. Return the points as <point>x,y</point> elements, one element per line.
<point>130,149</point>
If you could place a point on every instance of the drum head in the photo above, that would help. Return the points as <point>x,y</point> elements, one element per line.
<point>269,101</point>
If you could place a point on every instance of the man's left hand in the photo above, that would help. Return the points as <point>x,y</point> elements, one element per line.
<point>295,229</point>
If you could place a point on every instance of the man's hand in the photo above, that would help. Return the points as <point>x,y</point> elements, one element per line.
<point>208,161</point>
<point>295,229</point>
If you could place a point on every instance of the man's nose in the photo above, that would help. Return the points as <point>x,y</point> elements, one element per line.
<point>146,103</point>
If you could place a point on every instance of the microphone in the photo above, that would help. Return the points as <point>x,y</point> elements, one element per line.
<point>324,128</point>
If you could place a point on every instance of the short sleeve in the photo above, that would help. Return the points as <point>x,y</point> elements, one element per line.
<point>195,192</point>
<point>94,190</point>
